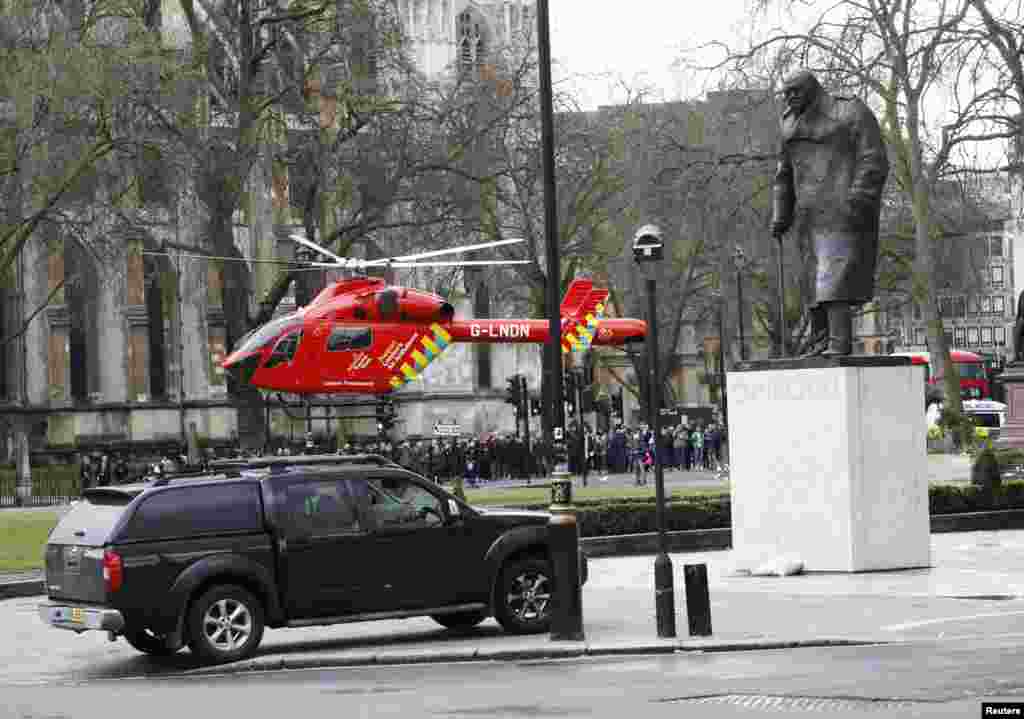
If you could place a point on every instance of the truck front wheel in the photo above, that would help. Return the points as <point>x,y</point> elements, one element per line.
<point>522,604</point>
<point>225,624</point>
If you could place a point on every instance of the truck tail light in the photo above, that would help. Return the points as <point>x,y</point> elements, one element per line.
<point>113,571</point>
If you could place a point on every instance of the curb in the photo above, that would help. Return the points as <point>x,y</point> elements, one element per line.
<point>689,540</point>
<point>573,651</point>
<point>974,521</point>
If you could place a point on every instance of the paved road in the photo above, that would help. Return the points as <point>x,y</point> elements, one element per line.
<point>974,591</point>
<point>928,679</point>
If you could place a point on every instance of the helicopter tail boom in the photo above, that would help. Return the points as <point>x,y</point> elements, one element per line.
<point>615,331</point>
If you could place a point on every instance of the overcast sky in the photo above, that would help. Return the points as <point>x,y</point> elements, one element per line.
<point>637,40</point>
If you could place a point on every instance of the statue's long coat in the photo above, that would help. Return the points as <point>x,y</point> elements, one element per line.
<point>828,186</point>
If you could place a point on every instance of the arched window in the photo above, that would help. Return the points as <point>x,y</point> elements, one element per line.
<point>472,41</point>
<point>82,294</point>
<point>8,322</point>
<point>151,310</point>
<point>160,292</point>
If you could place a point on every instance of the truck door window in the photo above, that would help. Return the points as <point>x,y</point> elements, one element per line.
<point>320,509</point>
<point>400,502</point>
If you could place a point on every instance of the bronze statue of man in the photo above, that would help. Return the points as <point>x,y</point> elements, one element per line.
<point>828,187</point>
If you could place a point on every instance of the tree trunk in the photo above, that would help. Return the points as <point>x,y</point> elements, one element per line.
<point>923,282</point>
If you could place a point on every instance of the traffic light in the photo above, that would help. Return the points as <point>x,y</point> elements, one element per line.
<point>569,382</point>
<point>570,392</point>
<point>535,406</point>
<point>513,392</point>
<point>617,404</point>
<point>385,414</point>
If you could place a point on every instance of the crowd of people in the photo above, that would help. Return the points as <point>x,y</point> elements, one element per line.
<point>488,458</point>
<point>683,447</point>
<point>493,457</point>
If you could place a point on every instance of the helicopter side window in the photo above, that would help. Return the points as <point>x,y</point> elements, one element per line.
<point>285,349</point>
<point>349,338</point>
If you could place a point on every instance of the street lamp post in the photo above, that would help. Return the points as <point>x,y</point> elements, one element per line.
<point>739,258</point>
<point>648,249</point>
<point>563,531</point>
<point>556,423</point>
<point>722,398</point>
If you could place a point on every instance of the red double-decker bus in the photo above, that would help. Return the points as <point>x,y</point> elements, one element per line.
<point>973,377</point>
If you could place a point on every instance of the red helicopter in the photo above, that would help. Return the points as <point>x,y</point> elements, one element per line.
<point>364,336</point>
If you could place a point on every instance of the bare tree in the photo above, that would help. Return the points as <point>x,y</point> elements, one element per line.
<point>70,79</point>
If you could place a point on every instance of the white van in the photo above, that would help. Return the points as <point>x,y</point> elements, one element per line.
<point>989,417</point>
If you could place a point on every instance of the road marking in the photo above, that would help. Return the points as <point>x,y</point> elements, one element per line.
<point>943,620</point>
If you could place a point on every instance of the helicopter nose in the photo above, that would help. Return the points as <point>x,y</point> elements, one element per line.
<point>241,370</point>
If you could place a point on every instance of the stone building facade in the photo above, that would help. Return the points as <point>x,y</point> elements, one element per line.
<point>125,353</point>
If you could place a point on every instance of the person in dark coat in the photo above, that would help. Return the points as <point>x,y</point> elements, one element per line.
<point>828,187</point>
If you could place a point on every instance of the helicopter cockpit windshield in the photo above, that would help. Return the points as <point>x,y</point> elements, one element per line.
<point>266,334</point>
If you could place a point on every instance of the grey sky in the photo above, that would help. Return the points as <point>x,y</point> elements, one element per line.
<point>636,41</point>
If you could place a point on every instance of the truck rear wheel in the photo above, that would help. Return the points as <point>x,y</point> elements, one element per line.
<point>225,624</point>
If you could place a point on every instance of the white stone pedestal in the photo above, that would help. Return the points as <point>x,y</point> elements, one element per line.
<point>828,464</point>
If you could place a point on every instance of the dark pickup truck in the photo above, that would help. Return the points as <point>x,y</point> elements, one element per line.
<point>210,560</point>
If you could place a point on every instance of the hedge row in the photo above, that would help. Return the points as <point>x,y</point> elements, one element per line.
<point>635,516</point>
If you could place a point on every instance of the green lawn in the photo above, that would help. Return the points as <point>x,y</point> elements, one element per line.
<point>22,537</point>
<point>541,494</point>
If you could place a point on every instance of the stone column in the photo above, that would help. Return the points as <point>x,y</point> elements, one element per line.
<point>58,323</point>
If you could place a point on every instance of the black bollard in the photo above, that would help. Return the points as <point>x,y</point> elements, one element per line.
<point>698,602</point>
<point>563,540</point>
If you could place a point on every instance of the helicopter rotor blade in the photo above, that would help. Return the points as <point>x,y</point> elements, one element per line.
<point>338,261</point>
<point>442,263</point>
<point>439,253</point>
<point>457,263</point>
<point>218,258</point>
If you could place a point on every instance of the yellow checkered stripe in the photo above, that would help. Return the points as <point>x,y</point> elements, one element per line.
<point>579,338</point>
<point>428,349</point>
